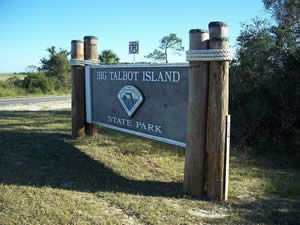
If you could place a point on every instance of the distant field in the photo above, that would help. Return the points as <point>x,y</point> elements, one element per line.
<point>5,76</point>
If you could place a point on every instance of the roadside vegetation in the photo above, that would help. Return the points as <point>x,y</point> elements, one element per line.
<point>53,77</point>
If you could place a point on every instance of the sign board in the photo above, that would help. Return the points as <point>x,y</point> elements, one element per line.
<point>134,47</point>
<point>145,100</point>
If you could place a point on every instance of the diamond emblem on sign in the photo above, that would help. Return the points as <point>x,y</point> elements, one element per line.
<point>130,98</point>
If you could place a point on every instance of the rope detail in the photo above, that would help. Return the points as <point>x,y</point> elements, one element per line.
<point>81,62</point>
<point>209,55</point>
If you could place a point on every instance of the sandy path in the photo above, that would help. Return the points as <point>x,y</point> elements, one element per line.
<point>37,106</point>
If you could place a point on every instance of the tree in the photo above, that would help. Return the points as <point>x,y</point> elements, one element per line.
<point>108,57</point>
<point>286,14</point>
<point>283,11</point>
<point>167,42</point>
<point>31,69</point>
<point>264,77</point>
<point>57,67</point>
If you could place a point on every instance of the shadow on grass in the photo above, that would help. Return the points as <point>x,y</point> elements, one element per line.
<point>38,158</point>
<point>269,211</point>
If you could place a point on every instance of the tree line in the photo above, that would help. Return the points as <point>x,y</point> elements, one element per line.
<point>265,81</point>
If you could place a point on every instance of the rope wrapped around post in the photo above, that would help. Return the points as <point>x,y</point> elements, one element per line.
<point>209,55</point>
<point>82,62</point>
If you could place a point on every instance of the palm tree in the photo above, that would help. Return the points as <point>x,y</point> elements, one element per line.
<point>108,57</point>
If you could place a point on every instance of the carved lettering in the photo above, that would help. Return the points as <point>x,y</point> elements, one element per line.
<point>137,124</point>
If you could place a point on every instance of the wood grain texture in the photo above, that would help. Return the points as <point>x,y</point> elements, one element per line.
<point>91,52</point>
<point>90,47</point>
<point>217,112</point>
<point>78,95</point>
<point>197,113</point>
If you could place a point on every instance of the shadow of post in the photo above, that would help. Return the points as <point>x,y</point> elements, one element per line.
<point>38,158</point>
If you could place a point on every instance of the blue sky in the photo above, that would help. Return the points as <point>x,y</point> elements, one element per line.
<point>29,27</point>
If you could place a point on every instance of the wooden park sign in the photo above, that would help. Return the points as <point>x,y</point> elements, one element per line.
<point>181,104</point>
<point>145,100</point>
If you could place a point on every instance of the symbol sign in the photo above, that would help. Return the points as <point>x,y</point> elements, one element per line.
<point>133,47</point>
<point>130,98</point>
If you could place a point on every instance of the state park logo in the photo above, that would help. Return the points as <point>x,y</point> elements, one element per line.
<point>131,98</point>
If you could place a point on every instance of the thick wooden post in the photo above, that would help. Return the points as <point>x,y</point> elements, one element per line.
<point>197,112</point>
<point>217,112</point>
<point>78,97</point>
<point>91,52</point>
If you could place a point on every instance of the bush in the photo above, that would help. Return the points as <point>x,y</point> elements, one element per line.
<point>57,68</point>
<point>37,83</point>
<point>3,84</point>
<point>14,82</point>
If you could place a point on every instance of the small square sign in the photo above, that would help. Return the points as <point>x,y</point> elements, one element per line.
<point>134,47</point>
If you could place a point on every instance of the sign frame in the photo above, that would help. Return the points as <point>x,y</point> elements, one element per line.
<point>88,99</point>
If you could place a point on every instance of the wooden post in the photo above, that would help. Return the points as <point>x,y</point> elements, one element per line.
<point>78,97</point>
<point>91,52</point>
<point>197,113</point>
<point>217,112</point>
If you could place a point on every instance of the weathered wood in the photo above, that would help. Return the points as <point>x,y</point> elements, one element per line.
<point>90,47</point>
<point>78,97</point>
<point>197,113</point>
<point>217,112</point>
<point>91,52</point>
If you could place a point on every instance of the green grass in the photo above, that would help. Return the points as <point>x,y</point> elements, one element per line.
<point>6,93</point>
<point>115,178</point>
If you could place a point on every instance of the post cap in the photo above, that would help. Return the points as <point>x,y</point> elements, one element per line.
<point>90,37</point>
<point>76,41</point>
<point>198,31</point>
<point>217,24</point>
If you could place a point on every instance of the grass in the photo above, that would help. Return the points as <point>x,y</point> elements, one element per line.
<point>115,178</point>
<point>6,93</point>
<point>5,76</point>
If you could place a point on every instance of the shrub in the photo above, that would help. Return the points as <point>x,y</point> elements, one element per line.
<point>3,84</point>
<point>57,67</point>
<point>14,82</point>
<point>37,83</point>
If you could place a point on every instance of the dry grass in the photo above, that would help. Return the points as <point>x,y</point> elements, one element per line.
<point>5,76</point>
